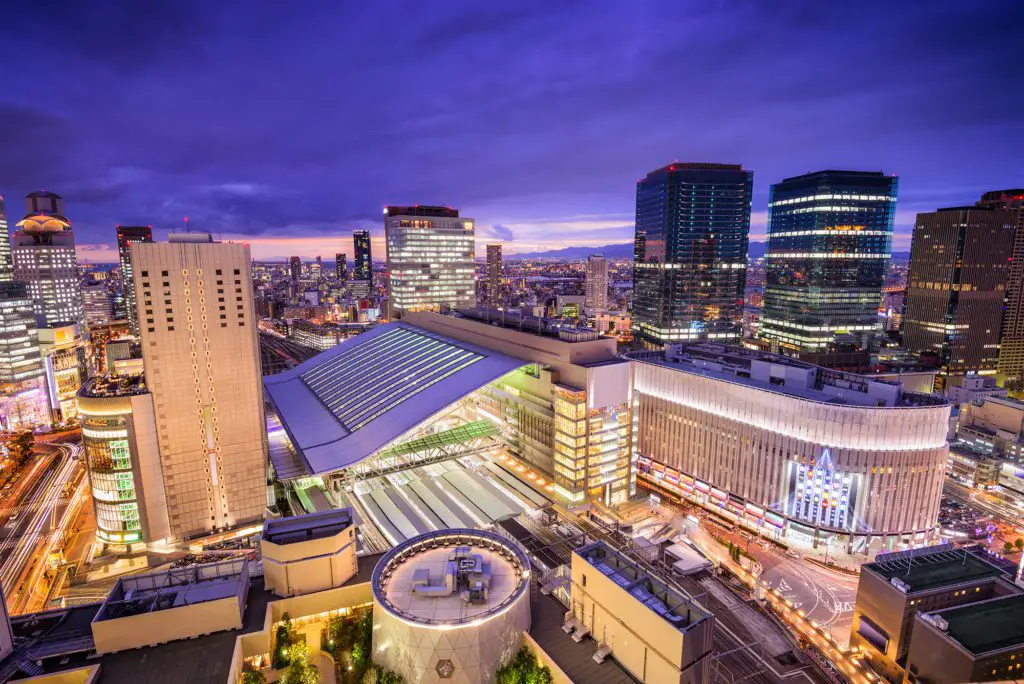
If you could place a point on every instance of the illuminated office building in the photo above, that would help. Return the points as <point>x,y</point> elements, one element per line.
<point>959,264</point>
<point>494,276</point>
<point>690,252</point>
<point>790,449</point>
<point>596,284</point>
<point>295,268</point>
<point>363,256</point>
<point>430,257</point>
<point>1011,347</point>
<point>202,367</point>
<point>6,266</point>
<point>44,259</point>
<point>341,267</point>
<point>97,304</point>
<point>123,461</point>
<point>126,237</point>
<point>829,243</point>
<point>22,400</point>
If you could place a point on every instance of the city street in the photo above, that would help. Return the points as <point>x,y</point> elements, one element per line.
<point>36,517</point>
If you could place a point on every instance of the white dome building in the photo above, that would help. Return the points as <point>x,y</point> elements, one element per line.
<point>450,605</point>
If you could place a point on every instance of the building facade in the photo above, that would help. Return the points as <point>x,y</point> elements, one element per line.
<point>960,260</point>
<point>126,237</point>
<point>341,267</point>
<point>1011,343</point>
<point>96,301</point>
<point>23,402</point>
<point>790,449</point>
<point>123,462</point>
<point>829,244</point>
<point>44,259</point>
<point>596,283</point>
<point>494,299</point>
<point>6,265</point>
<point>202,366</point>
<point>690,252</point>
<point>430,257</point>
<point>362,256</point>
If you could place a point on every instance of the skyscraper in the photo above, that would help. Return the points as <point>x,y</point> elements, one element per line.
<point>493,276</point>
<point>97,304</point>
<point>43,251</point>
<point>430,254</point>
<point>1011,347</point>
<point>295,267</point>
<point>596,285</point>
<point>203,370</point>
<point>44,259</point>
<point>362,268</point>
<point>23,403</point>
<point>341,267</point>
<point>829,242</point>
<point>126,237</point>
<point>6,266</point>
<point>959,263</point>
<point>690,252</point>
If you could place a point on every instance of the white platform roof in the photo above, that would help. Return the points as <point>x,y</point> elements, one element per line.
<point>350,401</point>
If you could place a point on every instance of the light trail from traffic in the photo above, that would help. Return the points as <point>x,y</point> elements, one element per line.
<point>40,528</point>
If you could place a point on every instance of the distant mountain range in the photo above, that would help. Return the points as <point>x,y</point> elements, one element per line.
<point>624,250</point>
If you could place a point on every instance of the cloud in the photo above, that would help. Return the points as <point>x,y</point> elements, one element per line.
<point>496,230</point>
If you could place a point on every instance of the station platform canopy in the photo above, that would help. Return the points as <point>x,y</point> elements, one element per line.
<point>348,403</point>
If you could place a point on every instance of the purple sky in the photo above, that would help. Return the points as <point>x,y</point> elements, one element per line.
<point>292,125</point>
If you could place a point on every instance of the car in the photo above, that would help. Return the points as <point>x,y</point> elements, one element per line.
<point>792,554</point>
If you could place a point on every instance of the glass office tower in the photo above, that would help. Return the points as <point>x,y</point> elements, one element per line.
<point>126,237</point>
<point>829,243</point>
<point>690,252</point>
<point>431,259</point>
<point>363,258</point>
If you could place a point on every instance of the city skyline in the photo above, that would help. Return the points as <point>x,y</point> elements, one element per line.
<point>557,174</point>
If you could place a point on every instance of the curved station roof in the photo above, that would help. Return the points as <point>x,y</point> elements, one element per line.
<point>350,401</point>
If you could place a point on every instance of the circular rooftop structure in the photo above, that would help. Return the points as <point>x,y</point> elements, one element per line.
<point>451,577</point>
<point>451,604</point>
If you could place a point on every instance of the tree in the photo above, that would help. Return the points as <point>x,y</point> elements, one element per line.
<point>253,677</point>
<point>21,447</point>
<point>1019,543</point>
<point>524,668</point>
<point>301,671</point>
<point>1008,547</point>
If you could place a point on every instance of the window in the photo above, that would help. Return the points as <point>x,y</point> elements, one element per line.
<point>218,272</point>
<point>584,580</point>
<point>237,272</point>
<point>163,273</point>
<point>145,274</point>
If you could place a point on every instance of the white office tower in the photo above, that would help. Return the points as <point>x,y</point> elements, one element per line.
<point>597,283</point>
<point>43,252</point>
<point>430,255</point>
<point>22,399</point>
<point>98,306</point>
<point>202,367</point>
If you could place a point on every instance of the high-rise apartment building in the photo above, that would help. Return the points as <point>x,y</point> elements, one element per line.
<point>295,268</point>
<point>98,306</point>
<point>363,257</point>
<point>829,243</point>
<point>341,267</point>
<point>44,259</point>
<point>202,367</point>
<point>6,267</point>
<point>430,256</point>
<point>690,252</point>
<point>1011,349</point>
<point>596,284</point>
<point>959,263</point>
<point>493,276</point>
<point>126,237</point>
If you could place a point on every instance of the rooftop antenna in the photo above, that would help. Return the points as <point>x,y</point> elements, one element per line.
<point>187,229</point>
